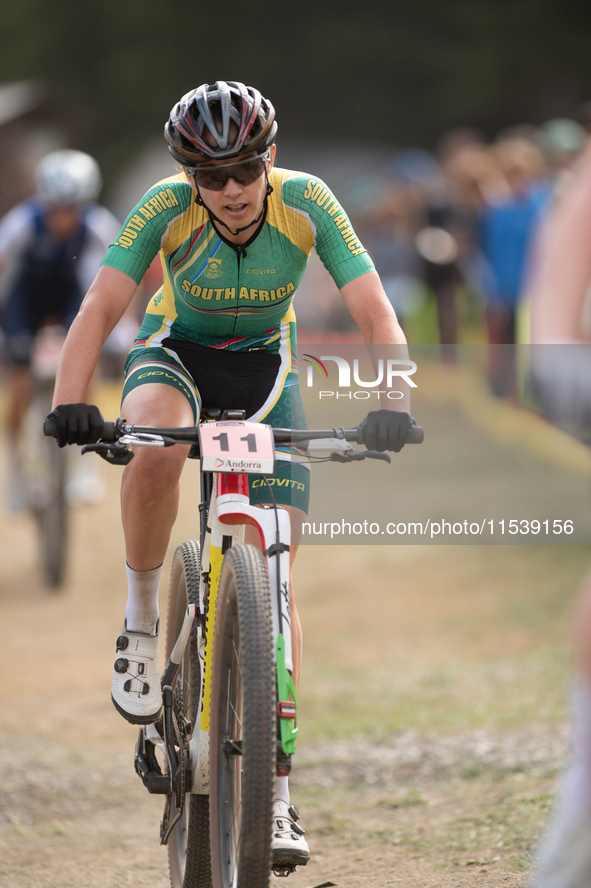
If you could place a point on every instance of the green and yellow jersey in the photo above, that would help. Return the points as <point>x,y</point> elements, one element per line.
<point>212,293</point>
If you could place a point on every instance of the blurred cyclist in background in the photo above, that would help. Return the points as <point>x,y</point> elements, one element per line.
<point>51,246</point>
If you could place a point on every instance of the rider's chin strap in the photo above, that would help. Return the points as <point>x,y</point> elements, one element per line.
<point>213,217</point>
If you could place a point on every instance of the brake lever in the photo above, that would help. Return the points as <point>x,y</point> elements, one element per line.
<point>356,455</point>
<point>377,454</point>
<point>115,454</point>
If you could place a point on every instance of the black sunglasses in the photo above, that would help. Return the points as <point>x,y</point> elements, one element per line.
<point>245,172</point>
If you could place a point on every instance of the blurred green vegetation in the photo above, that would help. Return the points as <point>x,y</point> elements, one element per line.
<point>400,73</point>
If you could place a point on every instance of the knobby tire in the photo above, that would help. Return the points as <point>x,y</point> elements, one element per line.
<point>53,521</point>
<point>45,478</point>
<point>243,717</point>
<point>188,846</point>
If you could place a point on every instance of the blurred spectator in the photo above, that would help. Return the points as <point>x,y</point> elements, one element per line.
<point>438,246</point>
<point>562,141</point>
<point>475,175</point>
<point>453,141</point>
<point>474,181</point>
<point>434,242</point>
<point>452,235</point>
<point>413,235</point>
<point>507,227</point>
<point>388,231</point>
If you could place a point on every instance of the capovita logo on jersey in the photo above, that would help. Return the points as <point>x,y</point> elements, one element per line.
<point>214,269</point>
<point>390,374</point>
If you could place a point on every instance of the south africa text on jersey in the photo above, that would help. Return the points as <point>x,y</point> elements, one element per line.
<point>158,203</point>
<point>320,194</point>
<point>219,293</point>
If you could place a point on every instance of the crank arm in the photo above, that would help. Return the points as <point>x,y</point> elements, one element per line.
<point>171,752</point>
<point>169,675</point>
<point>174,661</point>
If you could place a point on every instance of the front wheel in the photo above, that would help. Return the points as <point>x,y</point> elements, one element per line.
<point>188,844</point>
<point>243,724</point>
<point>44,466</point>
<point>53,522</point>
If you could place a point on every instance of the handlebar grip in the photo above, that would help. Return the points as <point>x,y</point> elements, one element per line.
<point>108,433</point>
<point>49,428</point>
<point>416,435</point>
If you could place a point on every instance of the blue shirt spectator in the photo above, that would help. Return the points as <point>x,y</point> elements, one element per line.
<point>506,229</point>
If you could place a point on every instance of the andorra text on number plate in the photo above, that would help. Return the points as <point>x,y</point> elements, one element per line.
<point>237,447</point>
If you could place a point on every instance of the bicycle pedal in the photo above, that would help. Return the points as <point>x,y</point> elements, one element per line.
<point>147,767</point>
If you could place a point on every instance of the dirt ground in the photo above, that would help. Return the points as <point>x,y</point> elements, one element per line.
<point>417,808</point>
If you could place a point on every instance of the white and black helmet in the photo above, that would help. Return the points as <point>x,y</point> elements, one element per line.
<point>68,177</point>
<point>237,119</point>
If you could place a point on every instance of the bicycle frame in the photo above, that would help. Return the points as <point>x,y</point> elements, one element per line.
<point>229,513</point>
<point>225,511</point>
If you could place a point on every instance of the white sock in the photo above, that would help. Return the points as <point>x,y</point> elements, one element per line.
<point>141,611</point>
<point>282,789</point>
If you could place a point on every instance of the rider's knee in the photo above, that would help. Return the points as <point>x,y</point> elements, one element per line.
<point>158,468</point>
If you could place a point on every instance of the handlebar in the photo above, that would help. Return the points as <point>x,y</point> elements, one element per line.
<point>298,436</point>
<point>112,431</point>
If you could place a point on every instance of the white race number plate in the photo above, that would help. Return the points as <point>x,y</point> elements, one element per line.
<point>237,447</point>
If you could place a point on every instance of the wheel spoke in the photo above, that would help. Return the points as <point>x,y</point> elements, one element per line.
<point>234,839</point>
<point>237,656</point>
<point>237,717</point>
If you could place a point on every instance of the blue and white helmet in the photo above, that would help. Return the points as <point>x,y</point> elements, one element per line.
<point>68,177</point>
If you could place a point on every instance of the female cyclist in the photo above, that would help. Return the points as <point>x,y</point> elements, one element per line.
<point>234,236</point>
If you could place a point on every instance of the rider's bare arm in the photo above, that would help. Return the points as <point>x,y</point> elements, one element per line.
<point>103,306</point>
<point>372,312</point>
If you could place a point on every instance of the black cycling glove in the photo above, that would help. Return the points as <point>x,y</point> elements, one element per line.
<point>385,430</point>
<point>76,424</point>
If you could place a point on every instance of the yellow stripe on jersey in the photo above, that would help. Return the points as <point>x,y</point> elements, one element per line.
<point>293,224</point>
<point>182,228</point>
